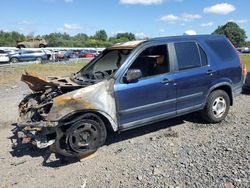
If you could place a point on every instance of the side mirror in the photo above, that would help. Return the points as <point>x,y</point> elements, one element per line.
<point>132,76</point>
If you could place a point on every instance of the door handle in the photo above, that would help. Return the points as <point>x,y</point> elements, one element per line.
<point>166,81</point>
<point>210,72</point>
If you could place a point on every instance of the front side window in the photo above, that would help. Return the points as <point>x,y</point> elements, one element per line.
<point>187,55</point>
<point>152,61</point>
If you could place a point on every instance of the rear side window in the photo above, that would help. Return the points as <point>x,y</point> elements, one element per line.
<point>187,55</point>
<point>223,49</point>
<point>203,56</point>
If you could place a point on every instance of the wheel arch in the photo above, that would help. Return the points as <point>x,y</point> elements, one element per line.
<point>15,58</point>
<point>224,87</point>
<point>77,115</point>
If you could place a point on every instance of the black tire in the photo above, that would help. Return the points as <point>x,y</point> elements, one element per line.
<point>217,106</point>
<point>20,46</point>
<point>14,60</point>
<point>85,137</point>
<point>42,46</point>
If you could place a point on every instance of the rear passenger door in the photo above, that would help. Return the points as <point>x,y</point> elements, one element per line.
<point>193,76</point>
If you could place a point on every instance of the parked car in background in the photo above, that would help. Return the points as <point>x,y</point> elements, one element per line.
<point>70,54</point>
<point>11,51</point>
<point>88,54</point>
<point>33,43</point>
<point>247,81</point>
<point>29,55</point>
<point>130,85</point>
<point>245,50</point>
<point>60,55</point>
<point>4,56</point>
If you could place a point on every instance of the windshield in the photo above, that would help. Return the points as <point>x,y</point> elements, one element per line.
<point>103,67</point>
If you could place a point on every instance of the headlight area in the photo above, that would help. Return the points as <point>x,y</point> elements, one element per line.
<point>41,134</point>
<point>32,126</point>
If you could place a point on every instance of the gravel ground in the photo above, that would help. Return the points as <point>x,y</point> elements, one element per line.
<point>181,152</point>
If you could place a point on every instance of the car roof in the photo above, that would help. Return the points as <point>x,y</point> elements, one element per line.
<point>134,44</point>
<point>127,45</point>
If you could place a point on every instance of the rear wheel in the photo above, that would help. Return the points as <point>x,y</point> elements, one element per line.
<point>42,46</point>
<point>20,46</point>
<point>39,59</point>
<point>217,106</point>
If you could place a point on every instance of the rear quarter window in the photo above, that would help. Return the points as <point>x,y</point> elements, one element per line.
<point>188,56</point>
<point>223,49</point>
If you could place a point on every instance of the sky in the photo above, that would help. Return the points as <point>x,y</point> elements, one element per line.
<point>144,18</point>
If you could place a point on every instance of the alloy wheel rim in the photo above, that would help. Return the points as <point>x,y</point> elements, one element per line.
<point>219,107</point>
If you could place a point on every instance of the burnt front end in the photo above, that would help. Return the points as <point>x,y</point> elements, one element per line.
<point>67,116</point>
<point>33,126</point>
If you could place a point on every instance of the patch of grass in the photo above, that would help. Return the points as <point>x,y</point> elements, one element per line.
<point>246,60</point>
<point>11,75</point>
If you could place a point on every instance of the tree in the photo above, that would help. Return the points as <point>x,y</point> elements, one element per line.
<point>101,35</point>
<point>233,32</point>
<point>128,36</point>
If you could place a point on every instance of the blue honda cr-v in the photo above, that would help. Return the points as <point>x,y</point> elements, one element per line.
<point>130,85</point>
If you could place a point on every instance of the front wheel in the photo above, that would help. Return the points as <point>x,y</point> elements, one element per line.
<point>217,106</point>
<point>14,60</point>
<point>85,137</point>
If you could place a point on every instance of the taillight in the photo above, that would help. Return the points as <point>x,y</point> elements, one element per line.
<point>243,67</point>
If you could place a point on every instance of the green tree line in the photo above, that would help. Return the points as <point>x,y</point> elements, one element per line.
<point>99,39</point>
<point>231,30</point>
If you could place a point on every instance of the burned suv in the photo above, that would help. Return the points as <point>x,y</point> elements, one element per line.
<point>130,85</point>
<point>32,43</point>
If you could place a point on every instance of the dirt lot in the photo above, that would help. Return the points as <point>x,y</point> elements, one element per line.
<point>182,152</point>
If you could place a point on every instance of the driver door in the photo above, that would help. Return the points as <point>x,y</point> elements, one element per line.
<point>150,98</point>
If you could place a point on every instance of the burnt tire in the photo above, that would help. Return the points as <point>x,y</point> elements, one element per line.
<point>42,46</point>
<point>217,107</point>
<point>85,137</point>
<point>20,46</point>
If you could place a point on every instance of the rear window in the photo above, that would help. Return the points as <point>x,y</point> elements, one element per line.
<point>223,49</point>
<point>187,55</point>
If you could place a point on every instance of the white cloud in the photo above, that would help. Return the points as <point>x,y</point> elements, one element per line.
<point>190,32</point>
<point>220,9</point>
<point>209,24</point>
<point>72,26</point>
<point>6,30</point>
<point>170,18</point>
<point>142,2</point>
<point>69,27</point>
<point>242,21</point>
<point>140,35</point>
<point>162,30</point>
<point>24,22</point>
<point>190,17</point>
<point>184,18</point>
